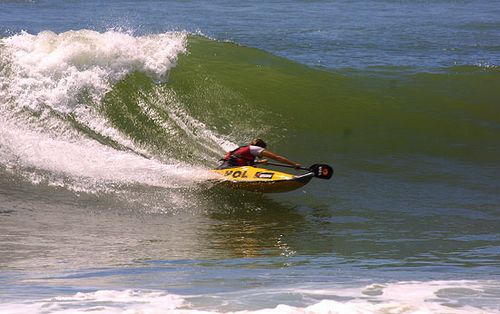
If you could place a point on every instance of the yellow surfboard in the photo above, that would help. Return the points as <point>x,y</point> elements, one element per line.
<point>261,180</point>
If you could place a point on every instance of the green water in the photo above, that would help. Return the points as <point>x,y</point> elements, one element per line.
<point>241,92</point>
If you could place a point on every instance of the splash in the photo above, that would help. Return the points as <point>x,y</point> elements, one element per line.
<point>61,70</point>
<point>52,126</point>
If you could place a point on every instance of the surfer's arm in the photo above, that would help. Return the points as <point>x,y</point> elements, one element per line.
<point>268,154</point>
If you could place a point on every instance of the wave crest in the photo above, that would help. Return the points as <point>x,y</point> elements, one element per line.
<point>61,70</point>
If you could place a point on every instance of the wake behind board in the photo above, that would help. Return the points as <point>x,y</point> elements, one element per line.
<point>261,180</point>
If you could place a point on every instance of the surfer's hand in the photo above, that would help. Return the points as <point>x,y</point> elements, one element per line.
<point>297,166</point>
<point>263,161</point>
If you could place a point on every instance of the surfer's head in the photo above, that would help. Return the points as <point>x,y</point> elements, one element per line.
<point>258,142</point>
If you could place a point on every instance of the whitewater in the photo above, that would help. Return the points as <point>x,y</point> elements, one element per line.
<point>57,77</point>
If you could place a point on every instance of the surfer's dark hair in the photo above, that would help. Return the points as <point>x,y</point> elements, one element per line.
<point>258,142</point>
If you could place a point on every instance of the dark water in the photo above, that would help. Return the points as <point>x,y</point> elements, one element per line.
<point>111,115</point>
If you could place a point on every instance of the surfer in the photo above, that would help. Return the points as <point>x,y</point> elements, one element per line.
<point>246,156</point>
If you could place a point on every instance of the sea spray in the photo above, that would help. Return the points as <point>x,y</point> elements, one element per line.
<point>51,120</point>
<point>59,70</point>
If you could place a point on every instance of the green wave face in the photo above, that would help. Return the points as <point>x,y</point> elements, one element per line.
<point>313,114</point>
<point>214,95</point>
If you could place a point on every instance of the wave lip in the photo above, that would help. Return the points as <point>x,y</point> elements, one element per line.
<point>59,70</point>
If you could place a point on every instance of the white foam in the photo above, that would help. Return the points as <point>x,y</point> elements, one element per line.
<point>103,301</point>
<point>88,159</point>
<point>48,72</point>
<point>415,297</point>
<point>42,77</point>
<point>54,70</point>
<point>401,298</point>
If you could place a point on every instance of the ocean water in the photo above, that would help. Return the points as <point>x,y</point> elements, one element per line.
<point>112,114</point>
